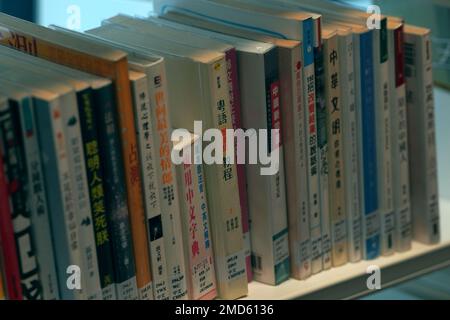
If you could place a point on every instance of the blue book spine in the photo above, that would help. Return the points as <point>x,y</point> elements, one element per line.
<point>53,171</point>
<point>369,150</point>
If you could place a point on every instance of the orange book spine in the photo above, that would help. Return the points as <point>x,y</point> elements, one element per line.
<point>118,72</point>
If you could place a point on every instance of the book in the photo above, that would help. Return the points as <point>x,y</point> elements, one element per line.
<point>302,27</point>
<point>350,141</point>
<point>195,221</point>
<point>2,287</point>
<point>400,152</point>
<point>421,135</point>
<point>10,260</point>
<point>178,33</point>
<point>40,221</point>
<point>293,133</point>
<point>182,62</point>
<point>14,166</point>
<point>102,61</point>
<point>336,170</point>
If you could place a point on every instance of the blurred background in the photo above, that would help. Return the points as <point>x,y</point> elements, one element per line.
<point>434,14</point>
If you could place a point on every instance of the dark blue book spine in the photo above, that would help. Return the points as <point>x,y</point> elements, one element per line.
<point>115,192</point>
<point>94,170</point>
<point>369,149</point>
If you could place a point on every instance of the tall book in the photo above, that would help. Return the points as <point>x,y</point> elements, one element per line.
<point>10,261</point>
<point>421,135</point>
<point>195,220</point>
<point>178,33</point>
<point>103,61</point>
<point>299,28</point>
<point>182,62</point>
<point>143,60</point>
<point>14,166</point>
<point>336,170</point>
<point>399,132</point>
<point>293,132</point>
<point>349,141</point>
<point>40,221</point>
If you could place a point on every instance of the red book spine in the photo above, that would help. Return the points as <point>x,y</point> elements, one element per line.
<point>10,260</point>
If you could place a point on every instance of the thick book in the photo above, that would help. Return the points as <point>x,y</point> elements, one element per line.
<point>336,170</point>
<point>103,61</point>
<point>399,133</point>
<point>200,270</point>
<point>298,28</point>
<point>182,62</point>
<point>293,130</point>
<point>40,221</point>
<point>9,258</point>
<point>182,34</point>
<point>421,135</point>
<point>14,165</point>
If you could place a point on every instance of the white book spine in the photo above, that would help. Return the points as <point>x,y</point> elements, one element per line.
<point>422,138</point>
<point>294,138</point>
<point>196,228</point>
<point>400,153</point>
<point>223,196</point>
<point>335,141</point>
<point>144,124</point>
<point>67,198</point>
<point>39,209</point>
<point>168,188</point>
<point>350,146</point>
<point>383,134</point>
<point>89,264</point>
<point>312,154</point>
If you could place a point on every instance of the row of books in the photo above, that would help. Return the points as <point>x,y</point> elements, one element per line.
<point>93,207</point>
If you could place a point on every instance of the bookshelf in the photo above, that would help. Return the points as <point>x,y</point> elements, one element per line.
<point>349,281</point>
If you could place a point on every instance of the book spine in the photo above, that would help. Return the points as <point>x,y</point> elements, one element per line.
<point>312,143</point>
<point>156,81</point>
<point>16,173</point>
<point>13,289</point>
<point>294,139</point>
<point>144,125</point>
<point>400,153</point>
<point>422,131</point>
<point>115,193</point>
<point>225,209</point>
<point>169,193</point>
<point>72,130</point>
<point>350,146</point>
<point>335,138</point>
<point>384,143</point>
<point>368,149</point>
<point>94,172</point>
<point>60,195</point>
<point>280,267</point>
<point>235,103</point>
<point>198,246</point>
<point>38,200</point>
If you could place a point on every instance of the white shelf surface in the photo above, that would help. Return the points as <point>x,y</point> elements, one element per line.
<point>350,281</point>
